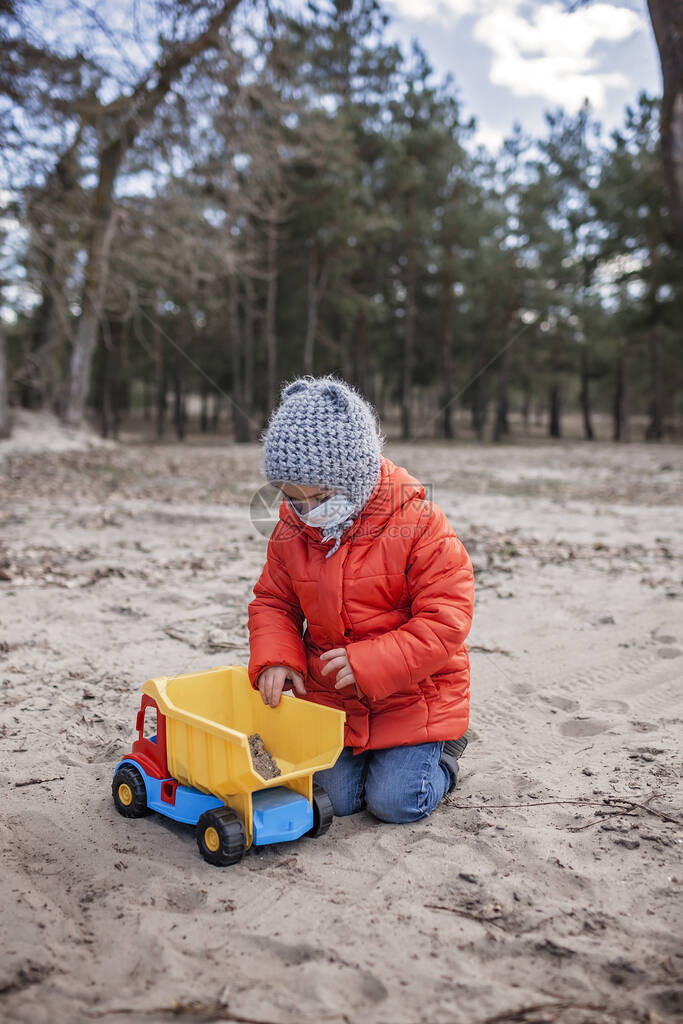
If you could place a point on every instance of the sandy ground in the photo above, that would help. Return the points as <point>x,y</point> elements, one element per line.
<point>547,887</point>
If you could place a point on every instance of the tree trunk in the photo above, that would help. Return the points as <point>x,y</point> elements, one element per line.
<point>215,412</point>
<point>502,427</point>
<point>667,23</point>
<point>91,299</point>
<point>655,429</point>
<point>479,407</point>
<point>315,287</point>
<point>5,424</point>
<point>33,391</point>
<point>249,307</point>
<point>146,396</point>
<point>159,377</point>
<point>479,386</point>
<point>585,397</point>
<point>445,427</point>
<point>526,404</point>
<point>100,386</point>
<point>409,322</point>
<point>249,351</point>
<point>178,404</point>
<point>271,299</point>
<point>620,406</point>
<point>359,351</point>
<point>204,407</point>
<point>555,426</point>
<point>139,111</point>
<point>380,394</point>
<point>46,209</point>
<point>240,417</point>
<point>116,377</point>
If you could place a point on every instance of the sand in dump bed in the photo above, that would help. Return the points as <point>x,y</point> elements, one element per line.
<point>264,762</point>
<point>550,878</point>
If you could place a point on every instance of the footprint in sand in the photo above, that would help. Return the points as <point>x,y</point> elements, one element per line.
<point>185,901</point>
<point>669,652</point>
<point>584,727</point>
<point>563,703</point>
<point>615,706</point>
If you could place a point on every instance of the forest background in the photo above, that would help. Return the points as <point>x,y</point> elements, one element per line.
<point>203,199</point>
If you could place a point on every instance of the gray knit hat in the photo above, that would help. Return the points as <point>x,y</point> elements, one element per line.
<point>325,434</point>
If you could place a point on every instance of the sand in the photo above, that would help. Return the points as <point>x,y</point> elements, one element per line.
<point>546,887</point>
<point>264,762</point>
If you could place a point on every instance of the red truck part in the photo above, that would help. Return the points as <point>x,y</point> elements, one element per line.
<point>151,755</point>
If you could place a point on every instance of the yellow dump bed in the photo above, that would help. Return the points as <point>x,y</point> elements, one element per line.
<point>209,718</point>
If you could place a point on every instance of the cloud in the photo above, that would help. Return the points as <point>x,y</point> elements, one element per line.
<point>433,10</point>
<point>547,52</point>
<point>540,49</point>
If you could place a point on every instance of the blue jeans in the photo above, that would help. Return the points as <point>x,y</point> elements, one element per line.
<point>398,784</point>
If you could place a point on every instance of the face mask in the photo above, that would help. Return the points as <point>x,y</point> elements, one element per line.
<point>328,514</point>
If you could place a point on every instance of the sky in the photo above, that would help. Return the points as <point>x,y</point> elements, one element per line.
<point>512,60</point>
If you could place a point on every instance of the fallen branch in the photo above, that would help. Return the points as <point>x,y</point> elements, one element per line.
<point>38,782</point>
<point>482,918</point>
<point>609,800</point>
<point>522,1014</point>
<point>650,810</point>
<point>177,634</point>
<point>598,821</point>
<point>532,803</point>
<point>193,1010</point>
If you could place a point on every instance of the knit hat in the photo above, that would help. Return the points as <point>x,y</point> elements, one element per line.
<point>325,434</point>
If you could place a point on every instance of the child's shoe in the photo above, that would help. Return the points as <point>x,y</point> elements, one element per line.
<point>452,751</point>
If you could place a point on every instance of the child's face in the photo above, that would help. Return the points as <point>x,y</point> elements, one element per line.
<point>305,497</point>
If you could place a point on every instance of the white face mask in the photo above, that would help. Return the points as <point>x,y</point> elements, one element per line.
<point>328,514</point>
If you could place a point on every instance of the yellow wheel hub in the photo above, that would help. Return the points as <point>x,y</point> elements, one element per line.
<point>125,794</point>
<point>211,839</point>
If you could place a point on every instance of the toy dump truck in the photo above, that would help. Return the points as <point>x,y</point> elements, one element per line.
<point>192,762</point>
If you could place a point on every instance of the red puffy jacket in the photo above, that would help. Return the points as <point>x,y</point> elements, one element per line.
<point>398,594</point>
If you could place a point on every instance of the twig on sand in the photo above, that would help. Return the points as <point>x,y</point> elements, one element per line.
<point>193,1010</point>
<point>487,650</point>
<point>38,782</point>
<point>178,634</point>
<point>650,810</point>
<point>522,1014</point>
<point>609,800</point>
<point>482,918</point>
<point>598,821</point>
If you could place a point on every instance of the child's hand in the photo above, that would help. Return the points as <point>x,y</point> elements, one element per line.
<point>339,664</point>
<point>271,683</point>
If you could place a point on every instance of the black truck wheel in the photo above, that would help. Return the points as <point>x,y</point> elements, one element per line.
<point>221,837</point>
<point>129,793</point>
<point>323,812</point>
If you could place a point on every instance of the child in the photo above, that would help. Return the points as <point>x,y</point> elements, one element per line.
<point>386,591</point>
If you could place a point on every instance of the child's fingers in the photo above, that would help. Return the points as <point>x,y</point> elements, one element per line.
<point>273,681</point>
<point>344,679</point>
<point>267,687</point>
<point>298,684</point>
<point>275,692</point>
<point>334,653</point>
<point>335,663</point>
